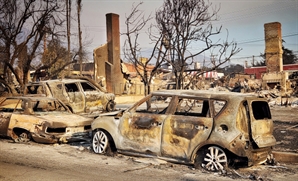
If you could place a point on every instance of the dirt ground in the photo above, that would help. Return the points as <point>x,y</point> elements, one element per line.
<point>285,128</point>
<point>33,161</point>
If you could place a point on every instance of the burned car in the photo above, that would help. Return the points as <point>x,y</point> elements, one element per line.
<point>42,119</point>
<point>208,129</point>
<point>80,95</point>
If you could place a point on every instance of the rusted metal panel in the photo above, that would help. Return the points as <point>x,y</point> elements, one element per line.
<point>76,101</point>
<point>182,134</point>
<point>94,100</point>
<point>142,131</point>
<point>4,122</point>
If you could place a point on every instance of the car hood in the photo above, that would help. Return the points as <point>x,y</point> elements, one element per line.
<point>113,113</point>
<point>61,120</point>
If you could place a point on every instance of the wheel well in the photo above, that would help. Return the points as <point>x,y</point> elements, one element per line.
<point>19,131</point>
<point>233,160</point>
<point>111,140</point>
<point>201,152</point>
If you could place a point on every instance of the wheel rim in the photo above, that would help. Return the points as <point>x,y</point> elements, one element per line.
<point>24,137</point>
<point>110,106</point>
<point>215,159</point>
<point>100,142</point>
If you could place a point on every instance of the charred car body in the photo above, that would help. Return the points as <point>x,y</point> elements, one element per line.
<point>42,119</point>
<point>204,128</point>
<point>81,96</point>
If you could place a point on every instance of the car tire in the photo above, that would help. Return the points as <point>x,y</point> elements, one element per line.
<point>23,137</point>
<point>110,106</point>
<point>100,142</point>
<point>213,159</point>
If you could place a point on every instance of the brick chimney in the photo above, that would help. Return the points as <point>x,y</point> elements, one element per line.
<point>273,47</point>
<point>107,57</point>
<point>113,67</point>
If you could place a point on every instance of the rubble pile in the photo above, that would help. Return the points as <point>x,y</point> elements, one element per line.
<point>277,96</point>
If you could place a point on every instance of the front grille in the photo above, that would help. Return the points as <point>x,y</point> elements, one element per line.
<point>87,127</point>
<point>56,130</point>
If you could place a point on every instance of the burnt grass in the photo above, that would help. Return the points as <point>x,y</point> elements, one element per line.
<point>285,134</point>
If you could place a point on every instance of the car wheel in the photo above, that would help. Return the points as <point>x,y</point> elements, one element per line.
<point>100,142</point>
<point>23,137</point>
<point>110,106</point>
<point>213,159</point>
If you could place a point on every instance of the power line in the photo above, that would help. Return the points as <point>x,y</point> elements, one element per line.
<point>255,56</point>
<point>248,13</point>
<point>258,40</point>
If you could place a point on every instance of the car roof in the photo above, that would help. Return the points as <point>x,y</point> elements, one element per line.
<point>205,94</point>
<point>33,98</point>
<point>59,80</point>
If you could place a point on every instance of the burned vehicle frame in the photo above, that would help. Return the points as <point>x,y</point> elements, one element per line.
<point>42,119</point>
<point>81,95</point>
<point>208,129</point>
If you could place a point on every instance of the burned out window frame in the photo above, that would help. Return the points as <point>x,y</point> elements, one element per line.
<point>35,89</point>
<point>153,108</point>
<point>260,112</point>
<point>88,89</point>
<point>70,88</point>
<point>203,113</point>
<point>214,111</point>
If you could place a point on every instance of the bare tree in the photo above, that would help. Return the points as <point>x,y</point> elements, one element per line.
<point>23,25</point>
<point>135,23</point>
<point>187,23</point>
<point>53,60</point>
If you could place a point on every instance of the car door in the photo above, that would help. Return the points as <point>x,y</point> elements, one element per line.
<point>93,96</point>
<point>4,122</point>
<point>6,110</point>
<point>141,127</point>
<point>188,126</point>
<point>76,98</point>
<point>261,123</point>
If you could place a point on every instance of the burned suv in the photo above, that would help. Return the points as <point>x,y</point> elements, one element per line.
<point>204,128</point>
<point>80,95</point>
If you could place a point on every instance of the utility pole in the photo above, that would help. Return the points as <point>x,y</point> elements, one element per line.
<point>79,6</point>
<point>213,59</point>
<point>68,24</point>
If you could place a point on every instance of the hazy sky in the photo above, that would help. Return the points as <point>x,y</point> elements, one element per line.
<point>244,20</point>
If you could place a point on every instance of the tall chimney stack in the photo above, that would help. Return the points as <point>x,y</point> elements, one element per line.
<point>273,47</point>
<point>114,75</point>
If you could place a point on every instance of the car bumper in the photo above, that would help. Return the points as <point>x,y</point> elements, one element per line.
<point>50,139</point>
<point>259,156</point>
